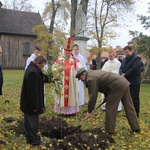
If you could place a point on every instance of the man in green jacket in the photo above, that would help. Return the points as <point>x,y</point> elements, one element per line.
<point>115,88</point>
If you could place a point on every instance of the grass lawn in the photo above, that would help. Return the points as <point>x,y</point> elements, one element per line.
<point>124,139</point>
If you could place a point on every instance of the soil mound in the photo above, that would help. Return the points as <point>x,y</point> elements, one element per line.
<point>65,137</point>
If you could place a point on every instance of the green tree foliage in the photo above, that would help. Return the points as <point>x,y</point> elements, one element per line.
<point>141,43</point>
<point>45,39</point>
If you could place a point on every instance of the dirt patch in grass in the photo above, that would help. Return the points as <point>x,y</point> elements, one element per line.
<point>66,137</point>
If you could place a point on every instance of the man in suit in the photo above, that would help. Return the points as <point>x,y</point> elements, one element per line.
<point>32,99</point>
<point>131,70</point>
<point>115,88</point>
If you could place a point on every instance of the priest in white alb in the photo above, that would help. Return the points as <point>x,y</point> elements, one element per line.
<point>77,54</point>
<point>112,65</point>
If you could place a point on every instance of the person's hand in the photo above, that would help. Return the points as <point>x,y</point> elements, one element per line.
<point>74,57</point>
<point>62,69</point>
<point>123,75</point>
<point>88,114</point>
<point>50,77</point>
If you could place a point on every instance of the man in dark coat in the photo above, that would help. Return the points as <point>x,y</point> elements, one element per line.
<point>131,70</point>
<point>1,74</point>
<point>32,98</point>
<point>1,80</point>
<point>115,88</point>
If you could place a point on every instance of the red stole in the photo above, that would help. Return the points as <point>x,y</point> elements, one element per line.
<point>68,64</point>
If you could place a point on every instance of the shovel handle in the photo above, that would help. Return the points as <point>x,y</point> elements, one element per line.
<point>99,105</point>
<point>83,120</point>
<point>93,110</point>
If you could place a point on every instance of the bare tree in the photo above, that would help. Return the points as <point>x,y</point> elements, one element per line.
<point>105,14</point>
<point>55,15</point>
<point>56,9</point>
<point>21,5</point>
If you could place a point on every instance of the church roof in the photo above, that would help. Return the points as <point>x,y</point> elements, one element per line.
<point>18,22</point>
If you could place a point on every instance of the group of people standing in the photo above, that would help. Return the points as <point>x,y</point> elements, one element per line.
<point>120,84</point>
<point>130,67</point>
<point>32,94</point>
<point>70,67</point>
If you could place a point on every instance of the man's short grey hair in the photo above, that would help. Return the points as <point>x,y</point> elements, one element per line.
<point>40,59</point>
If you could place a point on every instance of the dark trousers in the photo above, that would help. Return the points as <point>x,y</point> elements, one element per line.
<point>31,127</point>
<point>135,91</point>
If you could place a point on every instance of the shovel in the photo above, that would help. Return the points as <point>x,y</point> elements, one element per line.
<point>94,110</point>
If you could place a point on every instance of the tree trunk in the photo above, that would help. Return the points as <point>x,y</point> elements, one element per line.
<point>51,28</point>
<point>73,12</point>
<point>74,4</point>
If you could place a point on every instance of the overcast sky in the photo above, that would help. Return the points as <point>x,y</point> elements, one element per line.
<point>133,25</point>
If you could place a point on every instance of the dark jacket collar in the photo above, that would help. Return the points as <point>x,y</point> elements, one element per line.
<point>35,66</point>
<point>130,57</point>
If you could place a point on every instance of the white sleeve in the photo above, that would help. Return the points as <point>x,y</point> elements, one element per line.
<point>27,63</point>
<point>105,67</point>
<point>79,65</point>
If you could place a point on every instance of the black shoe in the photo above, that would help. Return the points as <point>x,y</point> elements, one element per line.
<point>28,142</point>
<point>137,131</point>
<point>103,110</point>
<point>41,142</point>
<point>118,111</point>
<point>110,133</point>
<point>69,115</point>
